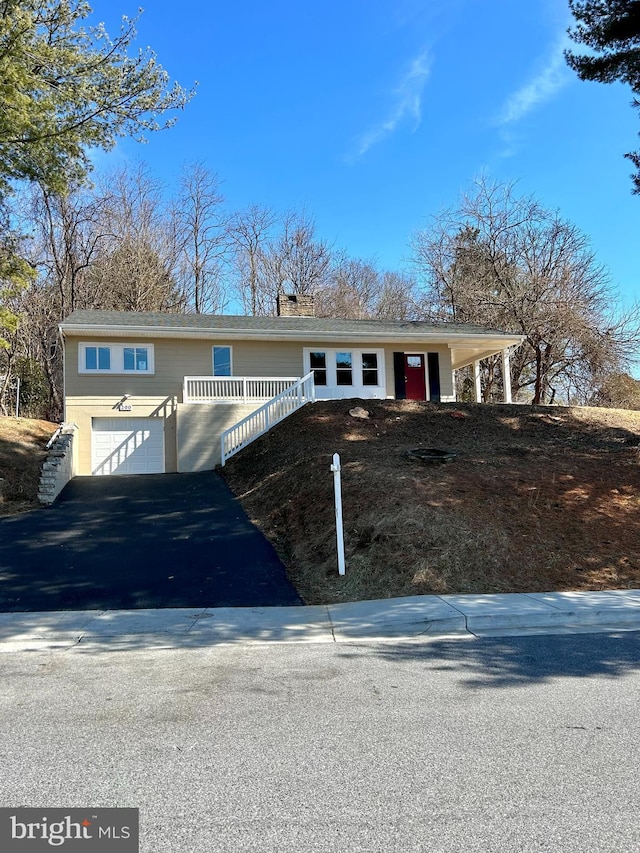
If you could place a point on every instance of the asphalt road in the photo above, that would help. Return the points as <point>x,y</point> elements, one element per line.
<point>526,744</point>
<point>157,540</point>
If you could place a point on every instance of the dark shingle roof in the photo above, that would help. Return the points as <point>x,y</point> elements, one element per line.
<point>218,322</point>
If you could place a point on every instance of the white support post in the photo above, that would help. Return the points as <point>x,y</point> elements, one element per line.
<point>338,500</point>
<point>17,396</point>
<point>476,381</point>
<point>506,376</point>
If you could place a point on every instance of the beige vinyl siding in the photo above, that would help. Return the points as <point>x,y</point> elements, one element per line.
<point>447,393</point>
<point>80,411</point>
<point>175,359</point>
<point>200,429</point>
<point>261,358</point>
<point>97,395</point>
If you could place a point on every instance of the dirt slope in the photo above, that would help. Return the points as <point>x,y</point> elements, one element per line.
<point>22,452</point>
<point>536,499</point>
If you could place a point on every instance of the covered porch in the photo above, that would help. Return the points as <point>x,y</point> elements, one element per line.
<point>473,356</point>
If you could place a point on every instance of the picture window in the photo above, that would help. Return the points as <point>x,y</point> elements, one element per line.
<point>222,361</point>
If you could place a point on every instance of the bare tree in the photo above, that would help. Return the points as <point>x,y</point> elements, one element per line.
<point>505,262</point>
<point>111,247</point>
<point>296,260</point>
<point>356,289</point>
<point>617,391</point>
<point>63,243</point>
<point>398,297</point>
<point>137,268</point>
<point>249,232</point>
<point>351,289</point>
<point>202,233</point>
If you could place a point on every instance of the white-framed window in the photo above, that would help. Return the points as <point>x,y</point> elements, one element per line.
<point>318,363</point>
<point>136,358</point>
<point>221,359</point>
<point>344,368</point>
<point>97,358</point>
<point>344,372</point>
<point>370,368</point>
<point>116,358</point>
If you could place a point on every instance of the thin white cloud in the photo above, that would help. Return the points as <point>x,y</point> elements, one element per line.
<point>407,104</point>
<point>542,88</point>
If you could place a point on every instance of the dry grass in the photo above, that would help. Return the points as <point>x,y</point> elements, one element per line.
<point>22,452</point>
<point>536,499</point>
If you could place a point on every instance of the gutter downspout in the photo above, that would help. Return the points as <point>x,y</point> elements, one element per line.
<point>64,375</point>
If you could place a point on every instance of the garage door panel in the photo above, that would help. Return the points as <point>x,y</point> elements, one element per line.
<point>127,446</point>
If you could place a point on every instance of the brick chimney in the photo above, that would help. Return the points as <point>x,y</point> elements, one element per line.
<point>295,305</point>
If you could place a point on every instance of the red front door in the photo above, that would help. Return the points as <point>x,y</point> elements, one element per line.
<point>416,387</point>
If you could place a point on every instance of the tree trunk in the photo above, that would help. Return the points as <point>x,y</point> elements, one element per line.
<point>537,388</point>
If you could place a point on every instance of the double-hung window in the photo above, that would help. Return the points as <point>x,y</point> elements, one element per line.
<point>341,372</point>
<point>370,368</point>
<point>344,368</point>
<point>318,364</point>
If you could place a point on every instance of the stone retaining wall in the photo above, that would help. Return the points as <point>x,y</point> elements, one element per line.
<point>59,466</point>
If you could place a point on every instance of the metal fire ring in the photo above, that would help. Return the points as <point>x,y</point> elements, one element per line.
<point>430,455</point>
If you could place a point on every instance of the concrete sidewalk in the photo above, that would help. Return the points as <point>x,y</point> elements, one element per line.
<point>410,618</point>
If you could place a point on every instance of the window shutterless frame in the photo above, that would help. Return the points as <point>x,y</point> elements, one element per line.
<point>346,368</point>
<point>318,364</point>
<point>116,358</point>
<point>222,360</point>
<point>369,368</point>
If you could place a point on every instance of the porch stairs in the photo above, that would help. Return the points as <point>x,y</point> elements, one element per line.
<point>267,416</point>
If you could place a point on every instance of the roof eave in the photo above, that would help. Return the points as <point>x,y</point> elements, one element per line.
<point>442,337</point>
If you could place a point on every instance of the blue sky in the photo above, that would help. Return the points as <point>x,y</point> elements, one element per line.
<point>374,114</point>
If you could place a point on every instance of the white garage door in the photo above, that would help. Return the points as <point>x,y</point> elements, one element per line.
<point>127,446</point>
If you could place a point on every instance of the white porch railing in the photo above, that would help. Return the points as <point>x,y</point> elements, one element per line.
<point>233,389</point>
<point>261,421</point>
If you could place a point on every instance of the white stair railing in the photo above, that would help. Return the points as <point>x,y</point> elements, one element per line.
<point>267,416</point>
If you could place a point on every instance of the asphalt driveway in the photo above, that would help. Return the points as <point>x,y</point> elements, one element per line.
<point>157,540</point>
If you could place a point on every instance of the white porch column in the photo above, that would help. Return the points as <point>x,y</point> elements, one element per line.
<point>476,381</point>
<point>506,375</point>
